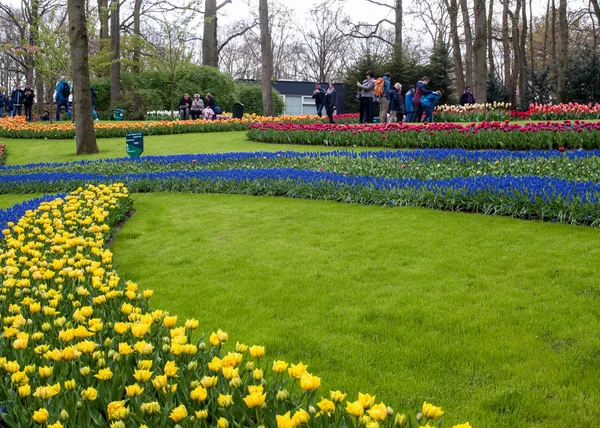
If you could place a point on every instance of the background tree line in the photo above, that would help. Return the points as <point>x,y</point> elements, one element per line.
<point>144,53</point>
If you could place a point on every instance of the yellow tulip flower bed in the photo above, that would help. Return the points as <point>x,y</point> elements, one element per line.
<point>81,346</point>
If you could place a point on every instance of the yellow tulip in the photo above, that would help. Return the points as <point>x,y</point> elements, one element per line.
<point>326,406</point>
<point>378,412</point>
<point>296,371</point>
<point>133,390</point>
<point>279,366</point>
<point>255,400</point>
<point>355,409</point>
<point>179,413</point>
<point>222,423</point>
<point>117,410</point>
<point>337,396</point>
<point>40,416</point>
<point>257,351</point>
<point>366,400</point>
<point>199,394</point>
<point>225,400</point>
<point>465,425</point>
<point>430,411</point>
<point>309,382</point>
<point>104,374</point>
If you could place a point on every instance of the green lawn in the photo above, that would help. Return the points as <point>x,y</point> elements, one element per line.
<point>494,319</point>
<point>33,151</point>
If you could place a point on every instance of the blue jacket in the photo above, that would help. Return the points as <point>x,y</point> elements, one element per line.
<point>386,87</point>
<point>396,101</point>
<point>409,101</point>
<point>430,100</point>
<point>59,96</point>
<point>17,96</point>
<point>423,89</point>
<point>2,100</point>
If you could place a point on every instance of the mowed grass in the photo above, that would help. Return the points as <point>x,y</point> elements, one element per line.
<point>34,151</point>
<point>494,319</point>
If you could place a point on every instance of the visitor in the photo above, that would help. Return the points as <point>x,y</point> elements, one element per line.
<point>28,97</point>
<point>63,92</point>
<point>409,104</point>
<point>17,100</point>
<point>2,101</point>
<point>185,104</point>
<point>365,94</point>
<point>211,109</point>
<point>429,102</point>
<point>319,97</point>
<point>197,107</point>
<point>384,101</point>
<point>467,97</point>
<point>396,104</point>
<point>330,101</point>
<point>421,91</point>
<point>93,94</point>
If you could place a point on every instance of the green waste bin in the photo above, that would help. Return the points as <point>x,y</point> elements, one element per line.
<point>238,111</point>
<point>376,119</point>
<point>118,114</point>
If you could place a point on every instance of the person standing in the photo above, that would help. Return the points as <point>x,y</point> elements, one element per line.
<point>17,100</point>
<point>366,97</point>
<point>396,104</point>
<point>319,97</point>
<point>28,97</point>
<point>467,97</point>
<point>63,91</point>
<point>2,101</point>
<point>330,101</point>
<point>409,104</point>
<point>421,91</point>
<point>384,102</point>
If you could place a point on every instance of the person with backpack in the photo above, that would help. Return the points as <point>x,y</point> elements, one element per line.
<point>17,100</point>
<point>93,94</point>
<point>409,105</point>
<point>396,104</point>
<point>428,103</point>
<point>319,97</point>
<point>421,91</point>
<point>2,101</point>
<point>384,99</point>
<point>365,94</point>
<point>330,101</point>
<point>63,91</point>
<point>28,98</point>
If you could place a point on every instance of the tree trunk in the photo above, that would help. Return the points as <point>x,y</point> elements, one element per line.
<point>103,14</point>
<point>524,73</point>
<point>85,135</point>
<point>39,93</point>
<point>596,9</point>
<point>137,40</point>
<point>553,27</point>
<point>266,53</point>
<point>546,33</point>
<point>115,47</point>
<point>506,50</point>
<point>490,39</point>
<point>397,49</point>
<point>531,49</point>
<point>516,38</point>
<point>210,53</point>
<point>452,6</point>
<point>468,42</point>
<point>563,53</point>
<point>479,52</point>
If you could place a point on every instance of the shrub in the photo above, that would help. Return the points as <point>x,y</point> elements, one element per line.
<point>251,96</point>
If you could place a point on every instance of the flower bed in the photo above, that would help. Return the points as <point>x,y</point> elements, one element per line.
<point>579,165</point>
<point>526,197</point>
<point>483,135</point>
<point>572,111</point>
<point>82,347</point>
<point>473,112</point>
<point>19,128</point>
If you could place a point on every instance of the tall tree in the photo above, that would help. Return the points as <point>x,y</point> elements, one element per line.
<point>563,52</point>
<point>468,42</point>
<point>266,51</point>
<point>210,46</point>
<point>506,48</point>
<point>137,35</point>
<point>115,47</point>
<point>85,135</point>
<point>490,39</point>
<point>480,73</point>
<point>452,6</point>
